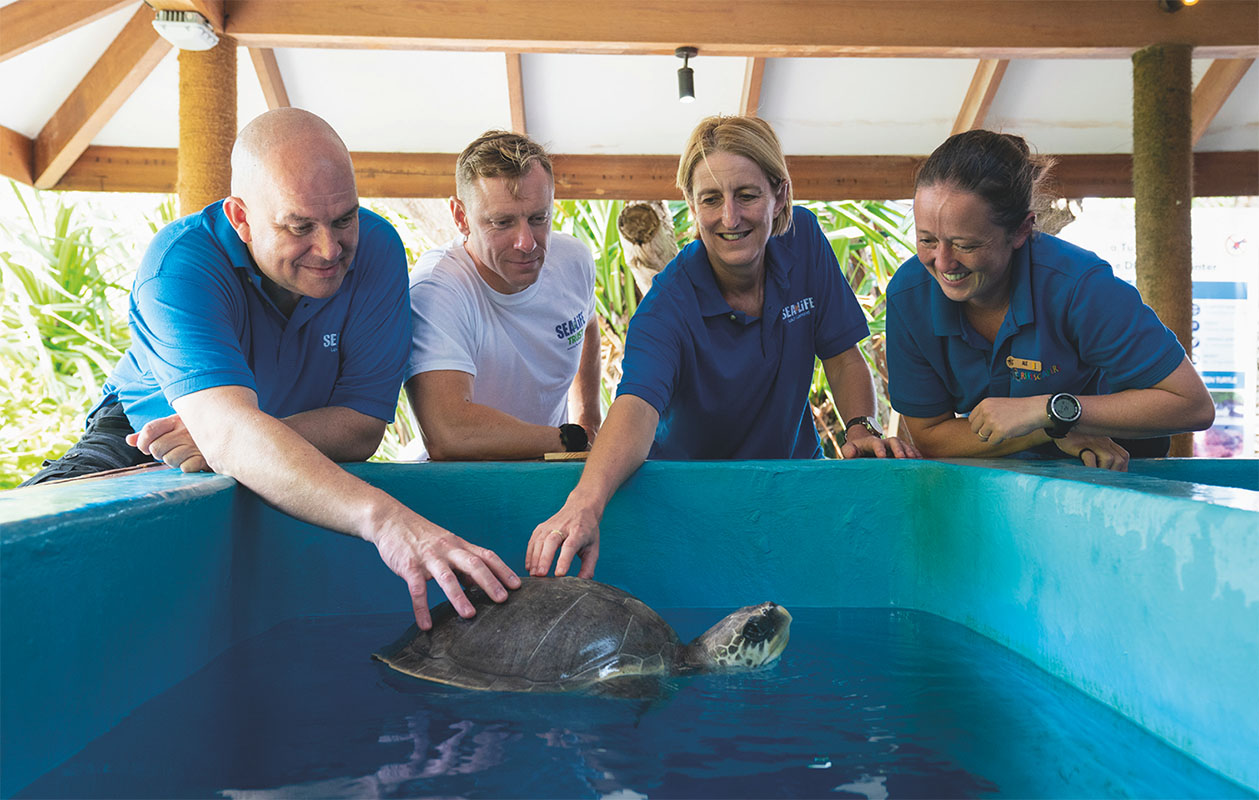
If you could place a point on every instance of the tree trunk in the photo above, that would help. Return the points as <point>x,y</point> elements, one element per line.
<point>646,239</point>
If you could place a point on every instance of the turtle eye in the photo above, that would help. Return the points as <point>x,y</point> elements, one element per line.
<point>757,629</point>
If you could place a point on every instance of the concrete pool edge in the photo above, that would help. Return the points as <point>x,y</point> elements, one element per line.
<point>1159,623</point>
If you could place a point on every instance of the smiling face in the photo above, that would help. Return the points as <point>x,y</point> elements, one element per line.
<point>734,206</point>
<point>966,252</point>
<point>295,206</point>
<point>508,232</point>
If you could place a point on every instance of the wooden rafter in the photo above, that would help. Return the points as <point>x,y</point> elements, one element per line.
<point>16,152</point>
<point>29,23</point>
<point>753,75</point>
<point>1213,91</point>
<point>516,93</point>
<point>139,169</point>
<point>124,66</point>
<point>212,10</point>
<point>979,97</point>
<point>767,28</point>
<point>269,77</point>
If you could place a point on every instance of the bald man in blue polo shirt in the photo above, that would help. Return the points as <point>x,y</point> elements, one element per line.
<point>270,333</point>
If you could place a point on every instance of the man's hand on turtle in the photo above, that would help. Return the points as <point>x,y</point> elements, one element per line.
<point>418,552</point>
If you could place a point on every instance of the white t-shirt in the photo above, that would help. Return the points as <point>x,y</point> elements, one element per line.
<point>522,349</point>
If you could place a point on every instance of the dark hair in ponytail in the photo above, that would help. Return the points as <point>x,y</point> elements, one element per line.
<point>998,167</point>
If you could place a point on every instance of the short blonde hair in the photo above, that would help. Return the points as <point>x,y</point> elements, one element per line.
<point>499,154</point>
<point>750,137</point>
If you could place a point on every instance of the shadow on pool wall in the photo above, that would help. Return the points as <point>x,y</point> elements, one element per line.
<point>1142,590</point>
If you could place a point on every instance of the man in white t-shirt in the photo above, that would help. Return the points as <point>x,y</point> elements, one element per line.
<point>504,332</point>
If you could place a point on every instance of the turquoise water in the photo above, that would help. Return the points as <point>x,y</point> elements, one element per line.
<point>871,703</point>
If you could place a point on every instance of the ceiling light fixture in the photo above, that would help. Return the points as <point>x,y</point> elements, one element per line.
<point>187,30</point>
<point>686,75</point>
<point>1171,6</point>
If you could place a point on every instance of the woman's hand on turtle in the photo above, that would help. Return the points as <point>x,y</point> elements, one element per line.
<point>1094,451</point>
<point>416,550</point>
<point>572,533</point>
<point>996,419</point>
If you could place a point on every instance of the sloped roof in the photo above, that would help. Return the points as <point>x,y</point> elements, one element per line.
<point>856,89</point>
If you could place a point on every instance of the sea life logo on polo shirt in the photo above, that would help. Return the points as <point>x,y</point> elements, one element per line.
<point>573,331</point>
<point>1028,369</point>
<point>798,310</point>
<point>330,341</point>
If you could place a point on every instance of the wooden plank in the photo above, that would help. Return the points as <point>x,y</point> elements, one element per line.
<point>269,77</point>
<point>980,94</point>
<point>27,24</point>
<point>122,68</point>
<point>753,76</point>
<point>766,28</point>
<point>516,93</point>
<point>1213,91</point>
<point>212,10</point>
<point>16,156</point>
<point>638,177</point>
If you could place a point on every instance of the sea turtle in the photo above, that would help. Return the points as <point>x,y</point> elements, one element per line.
<point>561,634</point>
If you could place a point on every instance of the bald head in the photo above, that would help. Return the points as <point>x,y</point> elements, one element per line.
<point>289,147</point>
<point>294,204</point>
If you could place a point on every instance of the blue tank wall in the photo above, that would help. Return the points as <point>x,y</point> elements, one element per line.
<point>1141,589</point>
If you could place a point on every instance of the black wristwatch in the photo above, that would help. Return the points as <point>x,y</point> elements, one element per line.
<point>574,438</point>
<point>1063,411</point>
<point>869,423</point>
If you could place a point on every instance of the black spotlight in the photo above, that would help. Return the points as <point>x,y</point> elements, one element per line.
<point>686,75</point>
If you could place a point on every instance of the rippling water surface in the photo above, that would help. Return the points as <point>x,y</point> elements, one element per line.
<point>866,703</point>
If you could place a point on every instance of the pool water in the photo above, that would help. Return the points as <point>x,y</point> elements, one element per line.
<point>871,703</point>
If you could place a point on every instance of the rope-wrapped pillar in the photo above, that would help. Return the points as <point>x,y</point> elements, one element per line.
<point>207,124</point>
<point>1162,186</point>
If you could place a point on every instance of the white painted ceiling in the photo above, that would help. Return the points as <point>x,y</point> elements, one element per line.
<point>436,101</point>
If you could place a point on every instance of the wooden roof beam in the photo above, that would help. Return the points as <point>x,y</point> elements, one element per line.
<point>979,97</point>
<point>29,23</point>
<point>765,29</point>
<point>516,94</point>
<point>1213,91</point>
<point>753,77</point>
<point>269,77</point>
<point>123,67</point>
<point>17,154</point>
<point>650,177</point>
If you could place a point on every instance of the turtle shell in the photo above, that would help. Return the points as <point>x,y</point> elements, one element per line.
<point>550,635</point>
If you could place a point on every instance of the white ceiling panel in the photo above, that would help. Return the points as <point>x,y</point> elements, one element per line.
<point>623,104</point>
<point>863,106</point>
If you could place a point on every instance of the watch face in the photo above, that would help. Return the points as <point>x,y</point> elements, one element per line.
<point>1066,407</point>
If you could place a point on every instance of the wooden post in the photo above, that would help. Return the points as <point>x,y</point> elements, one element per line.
<point>207,125</point>
<point>1162,186</point>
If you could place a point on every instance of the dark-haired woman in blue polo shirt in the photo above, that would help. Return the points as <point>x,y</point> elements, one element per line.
<point>1004,341</point>
<point>720,354</point>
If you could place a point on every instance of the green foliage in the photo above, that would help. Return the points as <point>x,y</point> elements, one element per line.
<point>63,324</point>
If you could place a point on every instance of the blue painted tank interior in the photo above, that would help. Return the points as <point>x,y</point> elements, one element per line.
<point>1141,589</point>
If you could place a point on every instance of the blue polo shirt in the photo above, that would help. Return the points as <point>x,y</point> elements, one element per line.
<point>727,385</point>
<point>1072,326</point>
<point>200,319</point>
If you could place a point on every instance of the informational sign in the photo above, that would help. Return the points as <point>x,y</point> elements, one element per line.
<point>1225,307</point>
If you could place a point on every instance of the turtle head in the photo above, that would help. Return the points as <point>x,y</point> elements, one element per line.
<point>746,639</point>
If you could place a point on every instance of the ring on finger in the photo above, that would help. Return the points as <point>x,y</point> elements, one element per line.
<point>983,437</point>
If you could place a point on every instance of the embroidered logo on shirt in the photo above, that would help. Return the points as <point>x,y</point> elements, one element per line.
<point>572,332</point>
<point>330,341</point>
<point>1029,375</point>
<point>798,310</point>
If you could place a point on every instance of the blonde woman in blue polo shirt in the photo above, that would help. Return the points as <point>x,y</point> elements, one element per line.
<point>1003,341</point>
<point>720,353</point>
